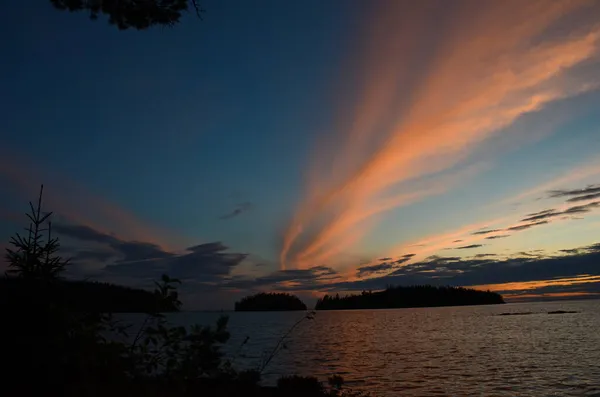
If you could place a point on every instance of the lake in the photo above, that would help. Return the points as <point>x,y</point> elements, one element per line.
<point>450,351</point>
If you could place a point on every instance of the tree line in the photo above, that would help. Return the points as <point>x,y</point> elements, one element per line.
<point>412,296</point>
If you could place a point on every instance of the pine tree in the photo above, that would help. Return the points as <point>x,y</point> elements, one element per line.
<point>35,257</point>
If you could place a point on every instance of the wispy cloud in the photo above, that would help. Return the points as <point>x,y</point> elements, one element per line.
<point>505,226</point>
<point>468,247</point>
<point>480,232</point>
<point>238,210</point>
<point>585,170</point>
<point>587,193</point>
<point>381,267</point>
<point>414,122</point>
<point>576,271</point>
<point>554,213</point>
<point>519,228</point>
<point>497,236</point>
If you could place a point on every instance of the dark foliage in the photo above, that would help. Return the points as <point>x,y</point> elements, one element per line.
<point>80,296</point>
<point>270,302</point>
<point>414,296</point>
<point>136,14</point>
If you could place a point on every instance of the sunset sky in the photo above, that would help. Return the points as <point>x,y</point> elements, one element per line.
<point>312,146</point>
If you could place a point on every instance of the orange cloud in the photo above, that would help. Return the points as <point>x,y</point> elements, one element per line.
<point>516,297</point>
<point>532,285</point>
<point>493,62</point>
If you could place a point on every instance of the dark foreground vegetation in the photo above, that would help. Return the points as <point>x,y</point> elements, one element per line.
<point>269,302</point>
<point>414,296</point>
<point>83,296</point>
<point>52,346</point>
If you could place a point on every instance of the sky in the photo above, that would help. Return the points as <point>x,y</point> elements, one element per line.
<point>312,147</point>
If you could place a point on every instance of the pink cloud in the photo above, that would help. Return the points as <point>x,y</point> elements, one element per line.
<point>492,65</point>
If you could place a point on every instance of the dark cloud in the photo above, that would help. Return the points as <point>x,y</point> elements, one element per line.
<point>238,210</point>
<point>386,265</point>
<point>481,271</point>
<point>484,255</point>
<point>570,251</point>
<point>130,250</point>
<point>403,259</point>
<point>497,237</point>
<point>479,232</point>
<point>530,254</point>
<point>380,267</point>
<point>467,247</point>
<point>139,250</point>
<point>208,262</point>
<point>593,247</point>
<point>524,227</point>
<point>576,194</point>
<point>584,198</point>
<point>536,216</point>
<point>207,248</point>
<point>315,278</point>
<point>101,256</point>
<point>580,209</point>
<point>552,213</point>
<point>457,241</point>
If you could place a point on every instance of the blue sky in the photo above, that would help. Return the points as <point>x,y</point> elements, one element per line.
<point>295,143</point>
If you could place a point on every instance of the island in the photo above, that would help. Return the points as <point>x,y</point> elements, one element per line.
<point>88,296</point>
<point>412,296</point>
<point>269,302</point>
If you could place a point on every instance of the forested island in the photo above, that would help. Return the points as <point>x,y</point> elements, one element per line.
<point>413,296</point>
<point>83,295</point>
<point>269,302</point>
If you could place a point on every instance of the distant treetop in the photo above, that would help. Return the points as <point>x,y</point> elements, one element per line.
<point>413,296</point>
<point>136,14</point>
<point>270,302</point>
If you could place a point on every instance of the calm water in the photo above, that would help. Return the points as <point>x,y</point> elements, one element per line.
<point>456,351</point>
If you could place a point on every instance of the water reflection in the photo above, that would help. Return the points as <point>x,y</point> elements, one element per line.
<point>438,351</point>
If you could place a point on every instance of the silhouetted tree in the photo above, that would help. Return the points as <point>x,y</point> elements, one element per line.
<point>136,14</point>
<point>33,257</point>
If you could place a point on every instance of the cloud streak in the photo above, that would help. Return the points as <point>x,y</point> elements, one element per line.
<point>411,123</point>
<point>468,247</point>
<point>240,209</point>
